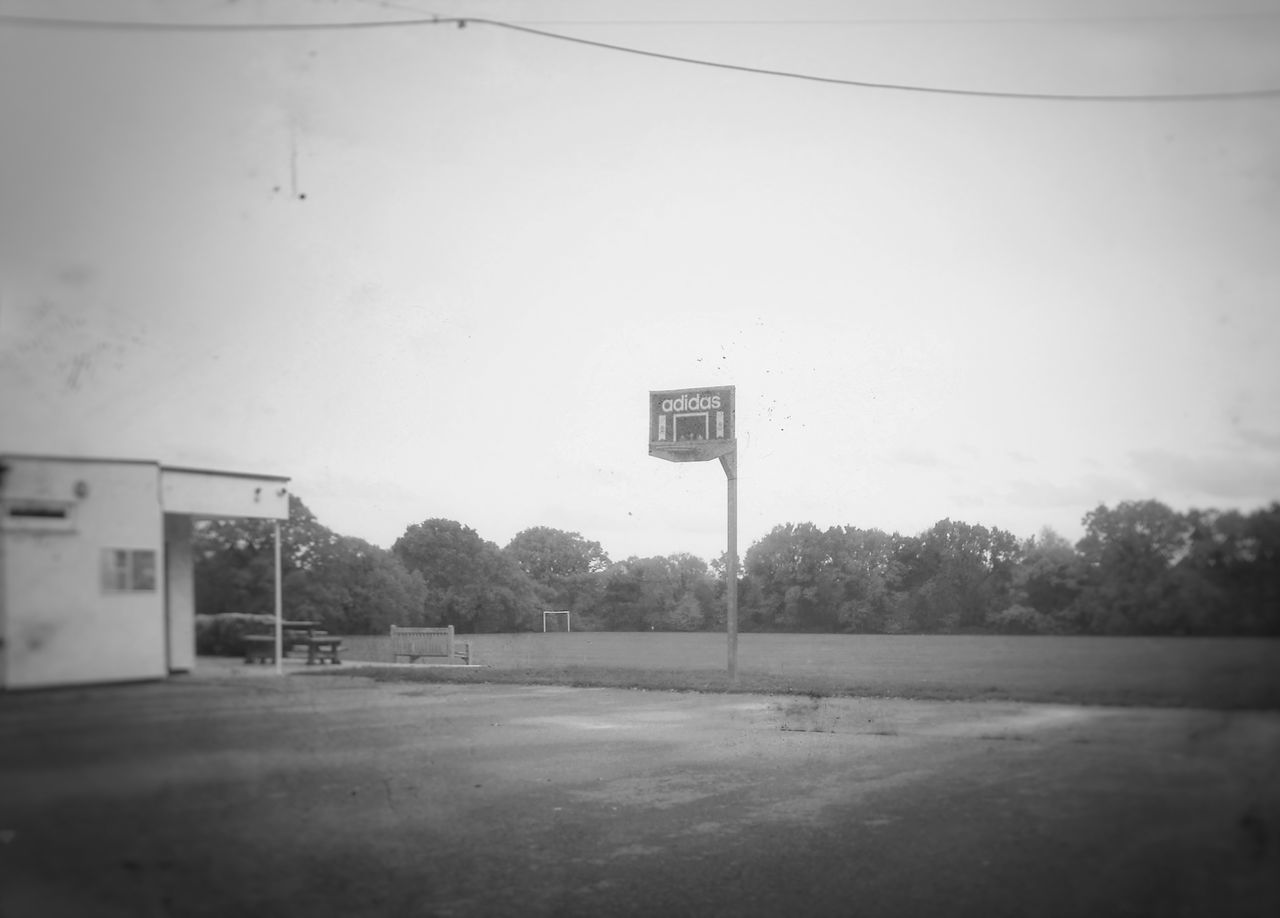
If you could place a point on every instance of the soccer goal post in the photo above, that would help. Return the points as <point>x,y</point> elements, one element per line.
<point>555,622</point>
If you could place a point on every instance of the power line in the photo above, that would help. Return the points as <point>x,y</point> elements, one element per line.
<point>899,87</point>
<point>146,25</point>
<point>1163,17</point>
<point>1225,15</point>
<point>462,22</point>
<point>120,25</point>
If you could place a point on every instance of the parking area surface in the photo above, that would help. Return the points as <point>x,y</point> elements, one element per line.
<point>333,795</point>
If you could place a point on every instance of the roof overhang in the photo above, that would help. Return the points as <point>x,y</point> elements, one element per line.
<point>205,492</point>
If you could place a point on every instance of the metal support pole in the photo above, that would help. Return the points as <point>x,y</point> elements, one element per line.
<point>730,463</point>
<point>279,605</point>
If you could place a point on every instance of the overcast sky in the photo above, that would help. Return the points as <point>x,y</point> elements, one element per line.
<point>434,271</point>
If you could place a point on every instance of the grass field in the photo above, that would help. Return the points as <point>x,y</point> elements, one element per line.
<point>1226,673</point>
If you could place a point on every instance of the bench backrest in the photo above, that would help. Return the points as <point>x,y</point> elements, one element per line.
<point>427,642</point>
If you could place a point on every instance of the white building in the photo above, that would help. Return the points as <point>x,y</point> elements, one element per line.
<point>96,570</point>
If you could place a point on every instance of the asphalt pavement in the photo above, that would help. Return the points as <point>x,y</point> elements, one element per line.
<point>246,793</point>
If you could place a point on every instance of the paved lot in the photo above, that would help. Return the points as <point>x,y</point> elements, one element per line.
<point>320,795</point>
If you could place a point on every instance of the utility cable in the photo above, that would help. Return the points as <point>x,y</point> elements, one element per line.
<point>463,22</point>
<point>898,87</point>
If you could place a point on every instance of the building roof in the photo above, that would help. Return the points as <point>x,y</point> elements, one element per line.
<point>112,460</point>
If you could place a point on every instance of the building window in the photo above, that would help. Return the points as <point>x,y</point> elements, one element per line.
<point>128,570</point>
<point>38,512</point>
<point>20,515</point>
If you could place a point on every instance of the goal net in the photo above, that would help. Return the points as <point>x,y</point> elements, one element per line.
<point>556,621</point>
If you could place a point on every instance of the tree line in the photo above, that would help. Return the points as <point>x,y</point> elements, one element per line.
<point>1140,568</point>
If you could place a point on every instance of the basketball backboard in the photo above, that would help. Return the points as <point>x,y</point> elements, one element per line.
<point>691,425</point>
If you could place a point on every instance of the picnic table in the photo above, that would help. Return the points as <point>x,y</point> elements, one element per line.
<point>320,646</point>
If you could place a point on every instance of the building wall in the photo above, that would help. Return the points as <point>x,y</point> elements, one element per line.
<point>4,612</point>
<point>180,592</point>
<point>80,603</point>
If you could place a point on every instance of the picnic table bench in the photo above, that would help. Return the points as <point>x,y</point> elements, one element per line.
<point>431,643</point>
<point>320,646</point>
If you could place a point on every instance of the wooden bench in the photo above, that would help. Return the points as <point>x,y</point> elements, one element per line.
<point>431,643</point>
<point>261,648</point>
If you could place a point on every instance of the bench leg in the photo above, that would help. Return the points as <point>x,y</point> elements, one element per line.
<point>317,655</point>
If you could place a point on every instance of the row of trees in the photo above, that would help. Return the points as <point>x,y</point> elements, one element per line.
<point>438,572</point>
<point>1141,568</point>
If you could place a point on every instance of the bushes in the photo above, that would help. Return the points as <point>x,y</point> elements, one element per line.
<point>223,635</point>
<point>1021,620</point>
